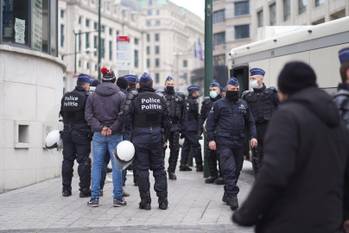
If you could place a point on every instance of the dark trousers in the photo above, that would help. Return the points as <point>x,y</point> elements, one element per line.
<point>231,162</point>
<point>173,140</point>
<point>76,146</point>
<point>191,145</point>
<point>149,156</point>
<point>212,161</point>
<point>258,153</point>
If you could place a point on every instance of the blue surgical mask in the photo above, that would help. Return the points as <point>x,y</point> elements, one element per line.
<point>213,94</point>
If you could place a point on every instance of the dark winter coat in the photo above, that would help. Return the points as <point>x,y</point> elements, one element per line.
<point>300,187</point>
<point>103,108</point>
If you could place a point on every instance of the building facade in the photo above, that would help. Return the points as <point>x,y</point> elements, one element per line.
<point>231,27</point>
<point>174,41</point>
<point>78,30</point>
<point>31,88</point>
<point>295,12</point>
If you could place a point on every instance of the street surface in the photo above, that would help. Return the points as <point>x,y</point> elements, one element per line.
<point>194,207</point>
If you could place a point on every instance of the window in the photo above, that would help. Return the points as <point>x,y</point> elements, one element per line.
<point>219,60</point>
<point>157,78</point>
<point>95,25</point>
<point>110,31</point>
<point>110,50</point>
<point>148,63</point>
<point>242,31</point>
<point>62,14</point>
<point>286,9</point>
<point>218,16</point>
<point>136,58</point>
<point>148,50</point>
<point>136,41</point>
<point>87,23</point>
<point>80,42</point>
<point>219,38</point>
<point>185,63</point>
<point>79,63</point>
<point>319,2</point>
<point>272,14</point>
<point>150,12</point>
<point>157,23</point>
<point>157,49</point>
<point>30,23</point>
<point>62,35</point>
<point>157,37</point>
<point>80,19</point>
<point>87,40</point>
<point>148,23</point>
<point>95,42</point>
<point>260,18</point>
<point>157,62</point>
<point>148,37</point>
<point>242,8</point>
<point>302,6</point>
<point>103,28</point>
<point>88,65</point>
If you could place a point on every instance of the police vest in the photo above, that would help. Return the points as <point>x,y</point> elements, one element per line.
<point>342,101</point>
<point>73,107</point>
<point>261,104</point>
<point>149,108</point>
<point>174,107</point>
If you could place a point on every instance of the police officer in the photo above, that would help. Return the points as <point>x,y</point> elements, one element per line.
<point>191,130</point>
<point>262,101</point>
<point>226,127</point>
<point>342,96</point>
<point>212,158</point>
<point>149,119</point>
<point>175,105</point>
<point>76,137</point>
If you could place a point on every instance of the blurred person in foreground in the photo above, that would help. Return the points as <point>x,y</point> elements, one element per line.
<point>300,186</point>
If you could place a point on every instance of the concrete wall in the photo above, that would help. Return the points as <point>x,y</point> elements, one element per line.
<point>31,87</point>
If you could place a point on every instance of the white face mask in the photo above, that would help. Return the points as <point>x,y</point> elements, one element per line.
<point>254,84</point>
<point>213,94</point>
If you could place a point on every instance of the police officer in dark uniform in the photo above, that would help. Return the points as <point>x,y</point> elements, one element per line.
<point>342,96</point>
<point>149,120</point>
<point>175,106</point>
<point>212,157</point>
<point>76,137</point>
<point>191,130</point>
<point>226,127</point>
<point>262,101</point>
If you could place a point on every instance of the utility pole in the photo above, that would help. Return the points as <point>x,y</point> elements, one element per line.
<point>99,40</point>
<point>208,65</point>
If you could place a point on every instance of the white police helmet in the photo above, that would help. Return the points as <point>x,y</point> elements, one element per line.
<point>53,140</point>
<point>124,153</point>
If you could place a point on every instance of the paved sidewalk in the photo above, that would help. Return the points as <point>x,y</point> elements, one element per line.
<point>194,207</point>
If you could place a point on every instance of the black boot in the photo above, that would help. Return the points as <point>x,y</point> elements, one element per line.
<point>85,193</point>
<point>219,181</point>
<point>185,168</point>
<point>172,176</point>
<point>210,180</point>
<point>145,203</point>
<point>199,168</point>
<point>66,193</point>
<point>232,202</point>
<point>163,203</point>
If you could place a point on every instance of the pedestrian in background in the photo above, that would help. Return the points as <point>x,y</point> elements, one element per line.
<point>303,183</point>
<point>191,130</point>
<point>226,127</point>
<point>102,114</point>
<point>262,101</point>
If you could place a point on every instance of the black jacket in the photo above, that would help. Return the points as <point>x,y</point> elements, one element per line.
<point>300,187</point>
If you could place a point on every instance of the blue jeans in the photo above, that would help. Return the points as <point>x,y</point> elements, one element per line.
<point>100,146</point>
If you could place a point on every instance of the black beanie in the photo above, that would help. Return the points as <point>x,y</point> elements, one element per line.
<point>296,76</point>
<point>122,83</point>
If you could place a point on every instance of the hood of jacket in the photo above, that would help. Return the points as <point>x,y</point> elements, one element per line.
<point>107,89</point>
<point>320,103</point>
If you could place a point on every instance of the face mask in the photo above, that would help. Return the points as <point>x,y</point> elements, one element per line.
<point>213,94</point>
<point>170,89</point>
<point>254,84</point>
<point>232,95</point>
